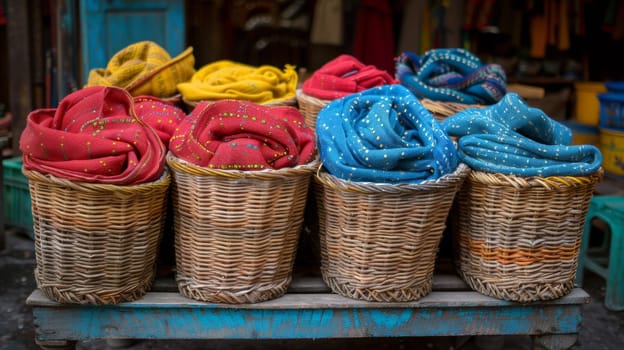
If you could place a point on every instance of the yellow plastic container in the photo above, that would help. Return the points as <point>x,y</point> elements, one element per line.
<point>587,104</point>
<point>612,148</point>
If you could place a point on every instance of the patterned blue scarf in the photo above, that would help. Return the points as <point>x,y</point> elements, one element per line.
<point>383,135</point>
<point>512,138</point>
<point>451,75</point>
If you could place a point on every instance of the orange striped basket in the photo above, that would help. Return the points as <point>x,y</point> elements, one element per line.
<point>518,238</point>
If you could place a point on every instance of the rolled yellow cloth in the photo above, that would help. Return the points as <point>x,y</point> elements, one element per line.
<point>145,68</point>
<point>225,79</point>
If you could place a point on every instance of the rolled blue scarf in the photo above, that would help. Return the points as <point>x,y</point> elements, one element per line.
<point>451,75</point>
<point>513,138</point>
<point>383,135</point>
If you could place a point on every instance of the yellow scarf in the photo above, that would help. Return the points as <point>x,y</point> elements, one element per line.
<point>144,68</point>
<point>230,80</point>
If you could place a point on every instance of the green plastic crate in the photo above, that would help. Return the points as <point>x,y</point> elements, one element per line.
<point>17,205</point>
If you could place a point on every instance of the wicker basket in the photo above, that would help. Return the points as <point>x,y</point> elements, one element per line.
<point>236,232</point>
<point>310,107</point>
<point>379,241</point>
<point>442,110</point>
<point>96,243</point>
<point>518,238</point>
<point>292,102</point>
<point>175,99</point>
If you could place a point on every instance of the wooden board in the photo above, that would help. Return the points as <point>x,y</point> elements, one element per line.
<point>169,315</point>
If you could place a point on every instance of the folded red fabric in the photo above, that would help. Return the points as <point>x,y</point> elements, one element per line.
<point>161,115</point>
<point>342,76</point>
<point>242,135</point>
<point>93,136</point>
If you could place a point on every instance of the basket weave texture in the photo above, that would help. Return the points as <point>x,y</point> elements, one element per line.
<point>518,238</point>
<point>310,107</point>
<point>96,243</point>
<point>236,232</point>
<point>442,110</point>
<point>290,102</point>
<point>379,241</point>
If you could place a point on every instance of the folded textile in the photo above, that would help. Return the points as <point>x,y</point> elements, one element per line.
<point>93,136</point>
<point>451,75</point>
<point>144,68</point>
<point>344,75</point>
<point>243,135</point>
<point>513,138</point>
<point>383,135</point>
<point>161,115</point>
<point>231,80</point>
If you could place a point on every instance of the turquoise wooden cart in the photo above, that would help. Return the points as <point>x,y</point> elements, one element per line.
<point>310,311</point>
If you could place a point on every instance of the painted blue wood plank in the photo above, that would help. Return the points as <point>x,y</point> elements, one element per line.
<point>134,27</point>
<point>209,322</point>
<point>328,300</point>
<point>109,26</point>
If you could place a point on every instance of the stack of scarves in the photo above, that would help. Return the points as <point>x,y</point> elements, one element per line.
<point>513,138</point>
<point>383,135</point>
<point>230,80</point>
<point>144,68</point>
<point>344,75</point>
<point>96,136</point>
<point>243,135</point>
<point>451,75</point>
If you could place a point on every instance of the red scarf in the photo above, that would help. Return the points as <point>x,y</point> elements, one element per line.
<point>342,76</point>
<point>161,115</point>
<point>93,136</point>
<point>242,135</point>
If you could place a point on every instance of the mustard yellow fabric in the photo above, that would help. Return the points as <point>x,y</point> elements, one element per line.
<point>145,68</point>
<point>231,80</point>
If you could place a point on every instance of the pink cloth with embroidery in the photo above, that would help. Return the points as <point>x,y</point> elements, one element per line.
<point>93,136</point>
<point>161,115</point>
<point>342,76</point>
<point>242,135</point>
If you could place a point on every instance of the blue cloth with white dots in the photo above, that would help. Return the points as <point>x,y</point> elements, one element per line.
<point>513,138</point>
<point>451,75</point>
<point>383,135</point>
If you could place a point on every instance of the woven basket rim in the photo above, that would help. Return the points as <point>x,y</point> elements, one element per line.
<point>291,101</point>
<point>446,108</point>
<point>550,182</point>
<point>302,96</point>
<point>37,176</point>
<point>177,98</point>
<point>188,167</point>
<point>327,179</point>
<point>173,99</point>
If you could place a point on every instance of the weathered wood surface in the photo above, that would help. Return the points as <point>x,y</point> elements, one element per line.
<point>115,24</point>
<point>168,315</point>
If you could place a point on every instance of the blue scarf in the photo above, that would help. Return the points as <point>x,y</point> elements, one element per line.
<point>451,75</point>
<point>512,138</point>
<point>383,135</point>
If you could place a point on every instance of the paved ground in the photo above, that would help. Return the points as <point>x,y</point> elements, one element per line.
<point>601,329</point>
